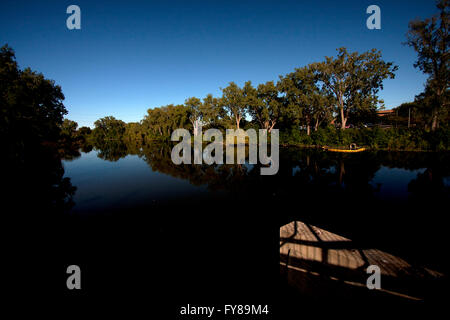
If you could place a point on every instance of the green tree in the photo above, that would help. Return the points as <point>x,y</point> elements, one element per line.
<point>31,108</point>
<point>354,80</point>
<point>429,38</point>
<point>162,121</point>
<point>234,102</point>
<point>194,106</point>
<point>69,128</point>
<point>133,132</point>
<point>84,131</point>
<point>211,110</point>
<point>305,101</point>
<point>109,128</point>
<point>264,104</point>
<point>202,113</point>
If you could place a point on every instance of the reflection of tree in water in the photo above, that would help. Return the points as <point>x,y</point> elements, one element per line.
<point>306,171</point>
<point>429,186</point>
<point>38,184</point>
<point>325,180</point>
<point>111,150</point>
<point>158,157</point>
<point>333,190</point>
<point>310,175</point>
<point>215,176</point>
<point>70,154</point>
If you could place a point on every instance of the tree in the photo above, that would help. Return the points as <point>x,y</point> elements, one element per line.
<point>178,117</point>
<point>109,128</point>
<point>233,102</point>
<point>195,113</point>
<point>304,99</point>
<point>152,122</point>
<point>133,132</point>
<point>69,128</point>
<point>354,79</point>
<point>202,113</point>
<point>429,38</point>
<point>161,122</point>
<point>31,108</point>
<point>211,110</point>
<point>84,131</point>
<point>264,104</point>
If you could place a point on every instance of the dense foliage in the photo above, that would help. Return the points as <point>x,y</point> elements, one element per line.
<point>31,109</point>
<point>375,138</point>
<point>430,39</point>
<point>31,131</point>
<point>331,102</point>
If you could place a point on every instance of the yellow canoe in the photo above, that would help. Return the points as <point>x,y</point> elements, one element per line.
<point>344,150</point>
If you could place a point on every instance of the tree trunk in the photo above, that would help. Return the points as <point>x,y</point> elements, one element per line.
<point>341,173</point>
<point>343,119</point>
<point>195,127</point>
<point>273,125</point>
<point>308,126</point>
<point>434,123</point>
<point>316,126</point>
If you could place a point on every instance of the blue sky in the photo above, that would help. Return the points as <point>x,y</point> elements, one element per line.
<point>133,55</point>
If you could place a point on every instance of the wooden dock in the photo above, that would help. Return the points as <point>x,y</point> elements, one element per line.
<point>314,257</point>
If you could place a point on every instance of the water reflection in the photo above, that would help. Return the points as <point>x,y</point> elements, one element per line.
<point>310,172</point>
<point>226,217</point>
<point>363,195</point>
<point>38,184</point>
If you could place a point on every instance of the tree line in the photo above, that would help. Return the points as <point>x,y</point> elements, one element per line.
<point>339,92</point>
<point>340,88</point>
<point>314,104</point>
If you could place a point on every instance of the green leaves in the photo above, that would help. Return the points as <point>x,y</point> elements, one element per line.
<point>354,79</point>
<point>304,99</point>
<point>109,128</point>
<point>69,127</point>
<point>31,108</point>
<point>202,113</point>
<point>160,122</point>
<point>429,38</point>
<point>264,104</point>
<point>234,101</point>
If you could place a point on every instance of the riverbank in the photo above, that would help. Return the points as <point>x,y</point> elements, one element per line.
<point>367,148</point>
<point>392,139</point>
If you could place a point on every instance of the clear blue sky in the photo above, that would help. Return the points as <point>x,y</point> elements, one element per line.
<point>133,55</point>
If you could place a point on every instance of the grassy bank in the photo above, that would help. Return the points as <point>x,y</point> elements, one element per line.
<point>394,139</point>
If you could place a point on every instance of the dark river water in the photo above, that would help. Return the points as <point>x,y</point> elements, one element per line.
<point>208,233</point>
<point>142,179</point>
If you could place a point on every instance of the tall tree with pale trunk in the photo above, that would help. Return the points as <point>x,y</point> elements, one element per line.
<point>233,102</point>
<point>354,79</point>
<point>195,113</point>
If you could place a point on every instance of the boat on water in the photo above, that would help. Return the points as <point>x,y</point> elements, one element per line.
<point>351,149</point>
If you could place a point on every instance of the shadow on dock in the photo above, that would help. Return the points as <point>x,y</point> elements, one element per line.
<point>323,266</point>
